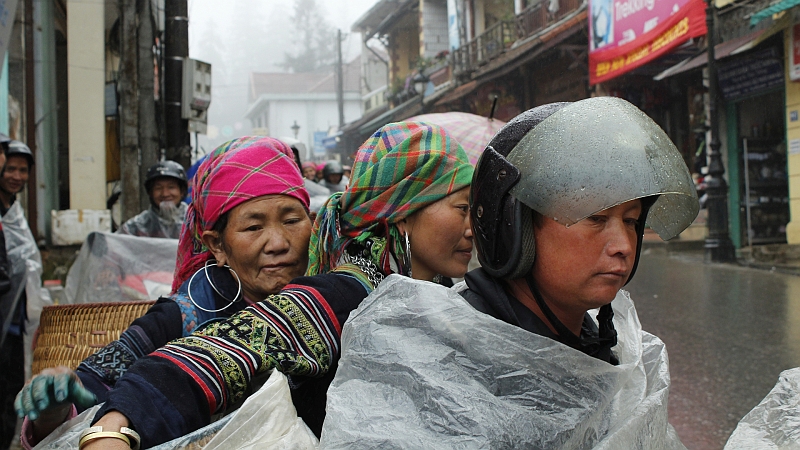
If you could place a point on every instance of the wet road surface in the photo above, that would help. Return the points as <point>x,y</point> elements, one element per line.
<point>729,332</point>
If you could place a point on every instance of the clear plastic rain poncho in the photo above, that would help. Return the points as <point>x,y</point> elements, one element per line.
<point>159,222</point>
<point>420,368</point>
<point>120,268</point>
<point>629,157</point>
<point>775,422</point>
<point>266,420</point>
<point>26,273</point>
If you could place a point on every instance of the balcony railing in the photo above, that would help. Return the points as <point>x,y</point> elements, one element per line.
<point>537,17</point>
<point>500,36</point>
<point>487,46</point>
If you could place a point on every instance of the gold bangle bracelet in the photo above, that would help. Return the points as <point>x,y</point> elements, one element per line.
<point>101,435</point>
<point>134,437</point>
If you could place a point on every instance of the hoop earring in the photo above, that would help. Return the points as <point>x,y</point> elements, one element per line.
<point>408,255</point>
<point>205,269</point>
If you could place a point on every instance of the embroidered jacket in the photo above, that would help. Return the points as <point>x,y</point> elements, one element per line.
<point>170,318</point>
<point>176,389</point>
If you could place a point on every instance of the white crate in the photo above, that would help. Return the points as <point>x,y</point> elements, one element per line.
<point>70,226</point>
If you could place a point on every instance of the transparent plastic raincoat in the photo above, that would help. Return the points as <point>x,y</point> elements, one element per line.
<point>420,368</point>
<point>26,274</point>
<point>119,268</point>
<point>775,422</point>
<point>149,223</point>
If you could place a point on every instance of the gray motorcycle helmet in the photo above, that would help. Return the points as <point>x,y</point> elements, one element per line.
<point>17,148</point>
<point>165,169</point>
<point>568,161</point>
<point>332,168</point>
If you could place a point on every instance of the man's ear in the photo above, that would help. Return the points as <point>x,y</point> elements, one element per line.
<point>213,241</point>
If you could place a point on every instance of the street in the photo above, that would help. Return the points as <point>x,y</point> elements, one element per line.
<point>729,332</point>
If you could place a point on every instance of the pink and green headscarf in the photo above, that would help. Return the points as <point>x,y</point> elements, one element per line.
<point>235,172</point>
<point>401,169</point>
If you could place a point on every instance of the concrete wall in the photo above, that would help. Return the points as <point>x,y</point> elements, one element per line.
<point>373,71</point>
<point>311,115</point>
<point>433,33</point>
<point>86,82</point>
<point>403,48</point>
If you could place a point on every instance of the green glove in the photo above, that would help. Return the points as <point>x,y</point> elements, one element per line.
<point>51,392</point>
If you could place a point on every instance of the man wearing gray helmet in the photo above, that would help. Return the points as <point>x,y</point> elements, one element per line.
<point>16,170</point>
<point>333,176</point>
<point>559,204</point>
<point>166,185</point>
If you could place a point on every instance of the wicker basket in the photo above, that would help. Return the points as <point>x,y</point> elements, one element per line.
<point>69,333</point>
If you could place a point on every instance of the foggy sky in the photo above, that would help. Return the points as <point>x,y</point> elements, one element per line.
<point>242,36</point>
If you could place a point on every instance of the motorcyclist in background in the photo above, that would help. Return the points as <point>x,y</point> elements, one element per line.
<point>19,161</point>
<point>166,185</point>
<point>333,176</point>
<point>12,305</point>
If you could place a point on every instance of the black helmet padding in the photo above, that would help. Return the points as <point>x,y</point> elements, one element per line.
<point>503,227</point>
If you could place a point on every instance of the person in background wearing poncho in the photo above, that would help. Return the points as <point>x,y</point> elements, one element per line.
<point>11,354</point>
<point>405,212</point>
<point>166,186</point>
<point>21,305</point>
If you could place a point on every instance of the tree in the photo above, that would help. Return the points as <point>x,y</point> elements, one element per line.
<point>315,39</point>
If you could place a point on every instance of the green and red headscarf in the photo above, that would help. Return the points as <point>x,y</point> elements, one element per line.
<point>401,169</point>
<point>235,172</point>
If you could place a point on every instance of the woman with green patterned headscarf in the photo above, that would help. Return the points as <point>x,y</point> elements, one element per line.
<point>405,211</point>
<point>409,183</point>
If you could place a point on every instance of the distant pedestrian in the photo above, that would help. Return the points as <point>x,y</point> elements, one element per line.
<point>166,185</point>
<point>20,263</point>
<point>310,171</point>
<point>332,176</point>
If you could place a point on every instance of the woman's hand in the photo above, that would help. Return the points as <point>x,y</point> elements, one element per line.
<point>113,421</point>
<point>48,398</point>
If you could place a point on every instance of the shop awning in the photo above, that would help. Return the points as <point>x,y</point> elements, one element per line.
<point>722,50</point>
<point>774,9</point>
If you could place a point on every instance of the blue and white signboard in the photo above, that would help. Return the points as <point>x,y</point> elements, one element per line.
<point>319,142</point>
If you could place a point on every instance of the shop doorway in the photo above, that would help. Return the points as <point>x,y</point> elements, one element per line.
<point>763,184</point>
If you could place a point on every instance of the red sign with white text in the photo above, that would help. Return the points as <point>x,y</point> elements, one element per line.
<point>625,34</point>
<point>794,68</point>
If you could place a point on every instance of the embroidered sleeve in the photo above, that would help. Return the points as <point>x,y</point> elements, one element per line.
<point>296,332</point>
<point>113,360</point>
<point>157,327</point>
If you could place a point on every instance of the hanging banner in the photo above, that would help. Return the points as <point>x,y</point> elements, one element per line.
<point>626,34</point>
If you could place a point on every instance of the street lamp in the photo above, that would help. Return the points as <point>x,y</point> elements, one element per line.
<point>420,84</point>
<point>718,245</point>
<point>295,129</point>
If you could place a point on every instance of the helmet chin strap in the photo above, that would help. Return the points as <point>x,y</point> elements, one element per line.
<point>589,345</point>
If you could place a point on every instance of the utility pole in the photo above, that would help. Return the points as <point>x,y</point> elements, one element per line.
<point>176,49</point>
<point>30,116</point>
<point>128,89</point>
<point>339,78</point>
<point>718,245</point>
<point>149,141</point>
<point>139,143</point>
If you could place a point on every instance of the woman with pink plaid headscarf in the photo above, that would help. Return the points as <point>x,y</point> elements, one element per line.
<point>245,237</point>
